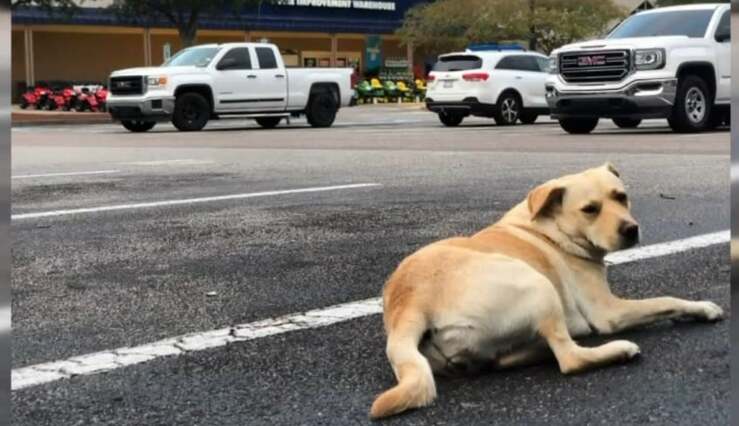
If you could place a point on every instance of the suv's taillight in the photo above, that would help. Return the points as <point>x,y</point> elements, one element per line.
<point>476,76</point>
<point>430,78</point>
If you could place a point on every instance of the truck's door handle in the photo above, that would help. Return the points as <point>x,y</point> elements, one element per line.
<point>518,77</point>
<point>279,76</point>
<point>251,76</point>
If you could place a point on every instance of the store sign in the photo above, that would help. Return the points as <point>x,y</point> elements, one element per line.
<point>342,4</point>
<point>396,63</point>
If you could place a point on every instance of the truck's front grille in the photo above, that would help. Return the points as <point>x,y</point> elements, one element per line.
<point>133,85</point>
<point>594,67</point>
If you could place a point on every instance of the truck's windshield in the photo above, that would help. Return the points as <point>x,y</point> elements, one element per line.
<point>194,56</point>
<point>691,23</point>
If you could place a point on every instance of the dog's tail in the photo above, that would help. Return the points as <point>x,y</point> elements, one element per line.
<point>415,386</point>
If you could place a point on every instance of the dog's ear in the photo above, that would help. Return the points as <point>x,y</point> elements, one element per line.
<point>544,198</point>
<point>611,168</point>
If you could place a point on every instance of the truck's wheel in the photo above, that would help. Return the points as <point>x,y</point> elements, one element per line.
<point>692,110</point>
<point>269,122</point>
<point>578,126</point>
<point>138,126</point>
<point>191,112</point>
<point>627,123</point>
<point>321,111</point>
<point>528,117</point>
<point>508,109</point>
<point>451,119</point>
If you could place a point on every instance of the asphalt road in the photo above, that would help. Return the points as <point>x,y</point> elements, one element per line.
<point>100,280</point>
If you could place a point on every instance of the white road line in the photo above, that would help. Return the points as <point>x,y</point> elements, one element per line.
<point>187,201</point>
<point>94,172</point>
<point>184,162</point>
<point>99,362</point>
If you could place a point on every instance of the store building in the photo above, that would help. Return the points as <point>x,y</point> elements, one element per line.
<point>88,45</point>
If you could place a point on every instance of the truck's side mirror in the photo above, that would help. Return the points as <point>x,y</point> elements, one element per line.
<point>226,63</point>
<point>723,34</point>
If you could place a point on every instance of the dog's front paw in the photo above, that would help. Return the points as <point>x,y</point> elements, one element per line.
<point>707,311</point>
<point>626,349</point>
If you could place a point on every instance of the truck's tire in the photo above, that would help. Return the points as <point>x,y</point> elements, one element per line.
<point>322,108</point>
<point>578,126</point>
<point>451,119</point>
<point>508,109</point>
<point>627,123</point>
<point>528,117</point>
<point>137,126</point>
<point>693,106</point>
<point>191,112</point>
<point>269,122</point>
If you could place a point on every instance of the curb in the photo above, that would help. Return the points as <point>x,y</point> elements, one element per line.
<point>40,118</point>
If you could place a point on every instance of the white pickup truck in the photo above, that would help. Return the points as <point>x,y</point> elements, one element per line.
<point>214,80</point>
<point>672,62</point>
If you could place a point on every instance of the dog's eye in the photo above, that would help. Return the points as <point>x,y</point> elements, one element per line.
<point>591,208</point>
<point>621,197</point>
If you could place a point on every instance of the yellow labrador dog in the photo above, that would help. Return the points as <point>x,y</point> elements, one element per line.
<point>517,289</point>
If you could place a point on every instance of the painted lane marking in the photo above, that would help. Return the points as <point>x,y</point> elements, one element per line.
<point>94,172</point>
<point>183,162</point>
<point>99,362</point>
<point>187,201</point>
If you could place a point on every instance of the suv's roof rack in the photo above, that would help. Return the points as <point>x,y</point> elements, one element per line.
<point>481,47</point>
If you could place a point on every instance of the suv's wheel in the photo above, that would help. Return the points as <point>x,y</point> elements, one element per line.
<point>191,112</point>
<point>528,117</point>
<point>269,122</point>
<point>507,109</point>
<point>578,126</point>
<point>627,123</point>
<point>138,126</point>
<point>451,119</point>
<point>321,110</point>
<point>692,109</point>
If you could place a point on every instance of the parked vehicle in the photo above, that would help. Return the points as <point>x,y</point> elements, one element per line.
<point>671,62</point>
<point>35,98</point>
<point>503,82</point>
<point>215,80</point>
<point>63,99</point>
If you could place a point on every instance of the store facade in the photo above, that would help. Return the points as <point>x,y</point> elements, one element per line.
<point>88,45</point>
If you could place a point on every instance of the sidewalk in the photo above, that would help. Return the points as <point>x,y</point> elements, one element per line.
<point>32,117</point>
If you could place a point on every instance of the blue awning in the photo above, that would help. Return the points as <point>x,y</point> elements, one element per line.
<point>265,18</point>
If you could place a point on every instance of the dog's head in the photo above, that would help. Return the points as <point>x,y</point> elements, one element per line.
<point>590,209</point>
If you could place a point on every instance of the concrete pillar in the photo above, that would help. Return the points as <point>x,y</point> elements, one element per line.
<point>409,56</point>
<point>147,47</point>
<point>28,44</point>
<point>334,49</point>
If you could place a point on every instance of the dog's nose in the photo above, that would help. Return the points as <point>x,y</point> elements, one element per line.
<point>629,231</point>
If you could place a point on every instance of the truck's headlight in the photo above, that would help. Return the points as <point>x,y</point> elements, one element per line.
<point>156,81</point>
<point>649,59</point>
<point>553,65</point>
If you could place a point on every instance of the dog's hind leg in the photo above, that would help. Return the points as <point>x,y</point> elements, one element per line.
<point>573,358</point>
<point>415,386</point>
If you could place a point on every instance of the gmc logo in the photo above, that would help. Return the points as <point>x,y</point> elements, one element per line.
<point>584,61</point>
<point>123,84</point>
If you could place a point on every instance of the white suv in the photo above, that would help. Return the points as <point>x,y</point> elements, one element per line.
<point>507,85</point>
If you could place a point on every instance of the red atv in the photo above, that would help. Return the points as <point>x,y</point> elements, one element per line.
<point>61,99</point>
<point>88,100</point>
<point>35,98</point>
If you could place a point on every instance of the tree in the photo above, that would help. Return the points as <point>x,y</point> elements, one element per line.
<point>182,14</point>
<point>545,24</point>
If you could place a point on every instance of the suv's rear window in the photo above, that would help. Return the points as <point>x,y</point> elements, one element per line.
<point>691,23</point>
<point>458,63</point>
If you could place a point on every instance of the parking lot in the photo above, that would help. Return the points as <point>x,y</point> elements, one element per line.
<point>124,240</point>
